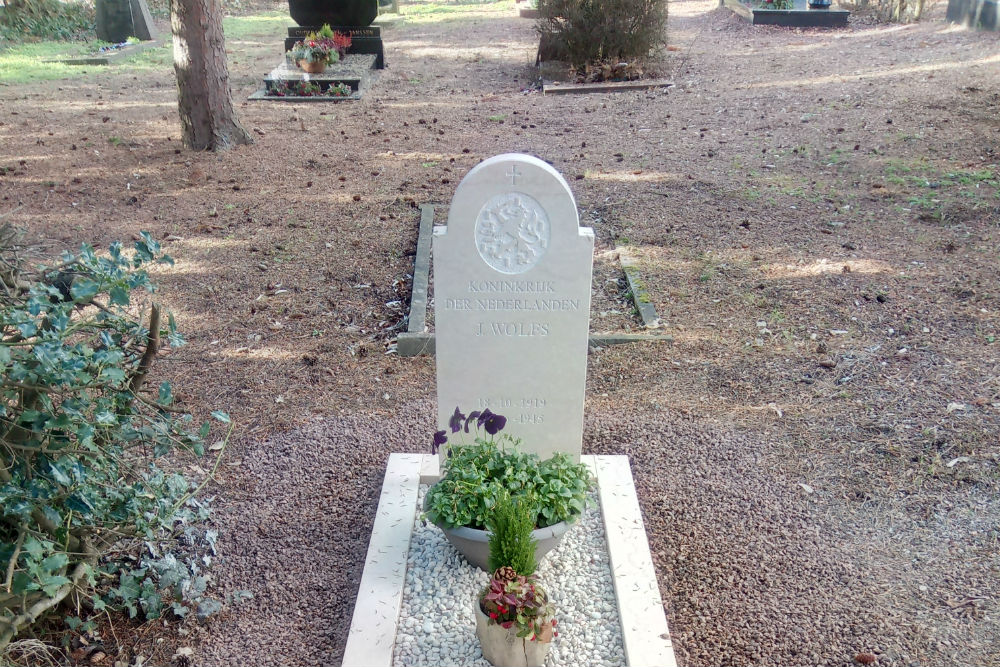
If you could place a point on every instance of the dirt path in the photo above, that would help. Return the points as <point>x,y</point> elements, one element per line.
<point>815,216</point>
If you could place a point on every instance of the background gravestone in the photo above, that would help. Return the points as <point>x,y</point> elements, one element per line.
<point>117,20</point>
<point>352,17</point>
<point>512,279</point>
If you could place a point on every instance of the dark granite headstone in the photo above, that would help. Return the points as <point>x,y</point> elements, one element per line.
<point>114,20</point>
<point>117,20</point>
<point>352,13</point>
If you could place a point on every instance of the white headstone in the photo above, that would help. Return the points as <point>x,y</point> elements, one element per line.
<point>512,279</point>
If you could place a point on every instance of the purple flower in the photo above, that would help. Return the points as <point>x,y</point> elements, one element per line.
<point>483,416</point>
<point>455,423</point>
<point>472,415</point>
<point>494,423</point>
<point>439,439</point>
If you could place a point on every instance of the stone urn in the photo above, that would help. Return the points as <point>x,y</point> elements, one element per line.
<point>337,13</point>
<point>503,648</point>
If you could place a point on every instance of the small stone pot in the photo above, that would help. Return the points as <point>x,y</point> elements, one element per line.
<point>312,66</point>
<point>819,4</point>
<point>503,648</point>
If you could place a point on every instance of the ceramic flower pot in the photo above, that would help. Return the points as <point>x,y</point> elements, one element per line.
<point>312,66</point>
<point>474,544</point>
<point>503,648</point>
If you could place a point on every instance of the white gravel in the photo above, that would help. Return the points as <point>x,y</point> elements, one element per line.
<point>437,627</point>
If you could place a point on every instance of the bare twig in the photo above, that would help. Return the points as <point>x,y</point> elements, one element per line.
<point>152,345</point>
<point>211,473</point>
<point>12,565</point>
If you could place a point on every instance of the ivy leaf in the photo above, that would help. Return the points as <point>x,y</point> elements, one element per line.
<point>106,418</point>
<point>19,584</point>
<point>27,329</point>
<point>51,514</point>
<point>221,416</point>
<point>55,562</point>
<point>52,583</point>
<point>113,375</point>
<point>166,396</point>
<point>79,504</point>
<point>84,290</point>
<point>119,295</point>
<point>33,547</point>
<point>58,475</point>
<point>128,589</point>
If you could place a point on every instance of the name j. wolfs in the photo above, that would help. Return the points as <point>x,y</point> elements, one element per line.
<point>512,329</point>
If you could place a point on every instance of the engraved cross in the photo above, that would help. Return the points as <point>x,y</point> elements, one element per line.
<point>513,173</point>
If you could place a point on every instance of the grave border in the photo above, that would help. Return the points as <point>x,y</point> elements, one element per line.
<point>834,17</point>
<point>557,88</point>
<point>645,633</point>
<point>416,340</point>
<point>111,57</point>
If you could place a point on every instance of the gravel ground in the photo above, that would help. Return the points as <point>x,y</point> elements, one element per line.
<point>296,523</point>
<point>809,495</point>
<point>438,626</point>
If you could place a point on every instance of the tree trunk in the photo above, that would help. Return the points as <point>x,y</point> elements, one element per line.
<point>204,100</point>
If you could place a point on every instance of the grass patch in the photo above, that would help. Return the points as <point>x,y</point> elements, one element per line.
<point>429,12</point>
<point>24,63</point>
<point>268,25</point>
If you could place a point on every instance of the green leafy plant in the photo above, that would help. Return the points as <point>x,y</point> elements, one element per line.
<point>80,432</point>
<point>476,475</point>
<point>510,525</point>
<point>520,604</point>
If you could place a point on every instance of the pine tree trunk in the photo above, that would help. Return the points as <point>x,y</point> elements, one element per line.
<point>204,100</point>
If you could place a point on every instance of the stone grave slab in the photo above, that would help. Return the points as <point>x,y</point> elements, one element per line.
<point>354,71</point>
<point>800,16</point>
<point>512,280</point>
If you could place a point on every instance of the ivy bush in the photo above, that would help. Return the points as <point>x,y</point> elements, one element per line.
<point>46,19</point>
<point>586,32</point>
<point>85,512</point>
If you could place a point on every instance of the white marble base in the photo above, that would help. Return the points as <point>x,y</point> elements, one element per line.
<point>376,613</point>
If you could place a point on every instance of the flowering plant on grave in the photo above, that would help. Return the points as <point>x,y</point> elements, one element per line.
<point>775,4</point>
<point>309,89</point>
<point>477,475</point>
<point>520,604</point>
<point>324,46</point>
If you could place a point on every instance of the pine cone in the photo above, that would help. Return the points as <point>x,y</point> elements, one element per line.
<point>506,573</point>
